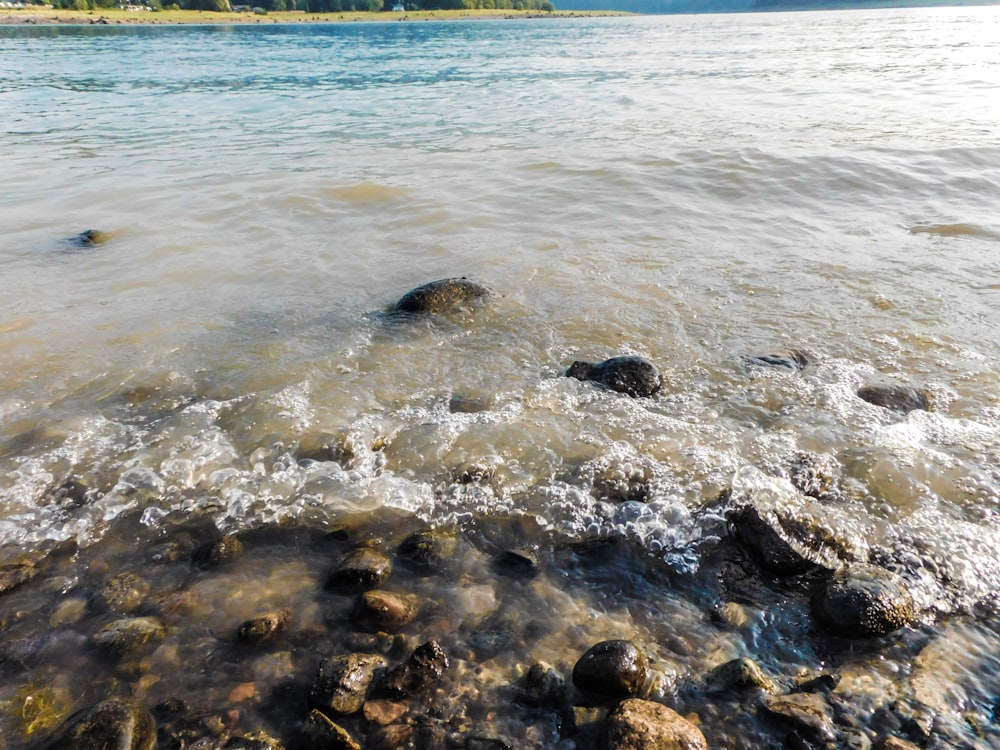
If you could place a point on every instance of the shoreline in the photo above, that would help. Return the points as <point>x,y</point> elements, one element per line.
<point>108,16</point>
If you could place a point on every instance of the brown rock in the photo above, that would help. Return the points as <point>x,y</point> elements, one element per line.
<point>361,569</point>
<point>441,296</point>
<point>644,725</point>
<point>384,610</point>
<point>616,669</point>
<point>322,734</point>
<point>864,601</point>
<point>384,712</point>
<point>117,723</point>
<point>809,713</point>
<point>263,628</point>
<point>341,683</point>
<point>424,667</point>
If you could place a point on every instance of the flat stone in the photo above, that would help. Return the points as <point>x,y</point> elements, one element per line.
<point>644,725</point>
<point>808,713</point>
<point>385,611</point>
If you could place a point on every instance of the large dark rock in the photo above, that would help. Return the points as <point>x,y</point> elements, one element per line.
<point>901,398</point>
<point>320,733</point>
<point>425,666</point>
<point>766,539</point>
<point>385,611</point>
<point>807,713</point>
<point>361,569</point>
<point>218,551</point>
<point>263,628</point>
<point>429,551</point>
<point>615,669</point>
<point>864,601</point>
<point>341,683</point>
<point>114,724</point>
<point>441,296</point>
<point>629,374</point>
<point>644,725</point>
<point>123,637</point>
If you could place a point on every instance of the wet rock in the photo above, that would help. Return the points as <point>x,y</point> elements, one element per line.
<point>789,359</point>
<point>217,552</point>
<point>543,686</point>
<point>16,574</point>
<point>813,474</point>
<point>90,237</point>
<point>361,569</point>
<point>741,674</point>
<point>389,737</point>
<point>441,296</point>
<point>384,712</point>
<point>124,593</point>
<point>901,398</point>
<point>430,550</point>
<point>341,683</point>
<point>895,743</point>
<point>71,494</point>
<point>616,669</point>
<point>807,713</point>
<point>622,481</point>
<point>320,733</point>
<point>253,741</point>
<point>644,725</point>
<point>763,539</point>
<point>485,743</point>
<point>385,610</point>
<point>123,637</point>
<point>632,375</point>
<point>425,666</point>
<point>824,683</point>
<point>263,628</point>
<point>516,564</point>
<point>864,601</point>
<point>114,724</point>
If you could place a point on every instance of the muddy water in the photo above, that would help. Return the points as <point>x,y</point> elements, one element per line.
<point>695,190</point>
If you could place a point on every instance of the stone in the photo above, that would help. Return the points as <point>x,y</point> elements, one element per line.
<point>16,574</point>
<point>901,398</point>
<point>444,295</point>
<point>789,359</point>
<point>90,238</point>
<point>771,548</point>
<point>341,683</point>
<point>71,494</point>
<point>384,712</point>
<point>123,637</point>
<point>615,669</point>
<point>217,552</point>
<point>361,569</point>
<point>263,628</point>
<point>429,551</point>
<point>637,724</point>
<point>425,666</point>
<point>895,743</point>
<point>124,593</point>
<point>629,374</point>
<point>808,713</point>
<point>253,741</point>
<point>741,674</point>
<point>814,474</point>
<point>864,601</point>
<point>320,733</point>
<point>389,737</point>
<point>516,563</point>
<point>485,743</point>
<point>543,686</point>
<point>114,724</point>
<point>385,611</point>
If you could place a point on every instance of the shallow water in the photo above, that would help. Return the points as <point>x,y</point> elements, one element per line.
<point>695,190</point>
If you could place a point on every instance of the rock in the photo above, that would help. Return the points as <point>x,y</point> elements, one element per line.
<point>616,669</point>
<point>808,713</point>
<point>123,637</point>
<point>16,574</point>
<point>813,474</point>
<point>516,564</point>
<point>263,628</point>
<point>425,666</point>
<point>389,737</point>
<point>895,743</point>
<point>485,743</point>
<point>385,610</point>
<point>441,296</point>
<point>770,547</point>
<point>253,741</point>
<point>629,374</point>
<point>71,494</point>
<point>114,724</point>
<point>864,601</point>
<point>90,238</point>
<point>429,551</point>
<point>901,398</point>
<point>320,733</point>
<point>124,593</point>
<point>341,683</point>
<point>543,686</point>
<point>361,569</point>
<point>741,674</point>
<point>217,552</point>
<point>383,712</point>
<point>824,683</point>
<point>644,725</point>
<point>789,359</point>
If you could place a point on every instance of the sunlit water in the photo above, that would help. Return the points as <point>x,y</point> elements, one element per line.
<point>691,189</point>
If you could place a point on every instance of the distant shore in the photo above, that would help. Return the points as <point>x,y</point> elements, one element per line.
<point>44,15</point>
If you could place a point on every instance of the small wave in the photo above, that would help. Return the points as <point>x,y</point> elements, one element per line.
<point>956,230</point>
<point>368,193</point>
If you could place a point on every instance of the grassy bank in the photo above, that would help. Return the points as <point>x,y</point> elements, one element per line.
<point>46,15</point>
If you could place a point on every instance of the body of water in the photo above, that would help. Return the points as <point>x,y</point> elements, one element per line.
<point>697,190</point>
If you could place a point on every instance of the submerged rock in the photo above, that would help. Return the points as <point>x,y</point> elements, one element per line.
<point>789,359</point>
<point>89,238</point>
<point>425,666</point>
<point>543,686</point>
<point>864,601</point>
<point>644,725</point>
<point>741,674</point>
<point>114,724</point>
<point>807,713</point>
<point>441,296</point>
<point>771,548</point>
<point>385,610</point>
<point>320,733</point>
<point>217,552</point>
<point>341,683</point>
<point>901,398</point>
<point>124,593</point>
<point>632,375</point>
<point>123,637</point>
<point>253,741</point>
<point>430,550</point>
<point>814,474</point>
<point>616,669</point>
<point>361,569</point>
<point>16,574</point>
<point>263,628</point>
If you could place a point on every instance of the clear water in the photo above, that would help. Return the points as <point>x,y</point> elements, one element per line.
<point>693,189</point>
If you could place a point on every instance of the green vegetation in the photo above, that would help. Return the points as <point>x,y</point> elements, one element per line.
<point>337,6</point>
